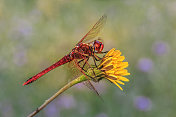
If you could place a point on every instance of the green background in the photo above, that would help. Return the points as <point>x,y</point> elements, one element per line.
<point>36,33</point>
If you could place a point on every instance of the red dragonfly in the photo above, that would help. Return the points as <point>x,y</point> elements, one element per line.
<point>87,47</point>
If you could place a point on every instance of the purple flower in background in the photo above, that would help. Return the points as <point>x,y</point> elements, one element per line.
<point>24,28</point>
<point>160,48</point>
<point>145,64</point>
<point>80,86</point>
<point>51,110</point>
<point>19,57</point>
<point>102,115</point>
<point>143,103</point>
<point>21,28</point>
<point>6,109</point>
<point>66,102</point>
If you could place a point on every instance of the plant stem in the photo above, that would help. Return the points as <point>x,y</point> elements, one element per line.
<point>67,86</point>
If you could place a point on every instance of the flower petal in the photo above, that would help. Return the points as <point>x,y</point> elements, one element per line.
<point>113,77</point>
<point>106,61</point>
<point>118,81</point>
<point>120,66</point>
<point>121,72</point>
<point>120,58</point>
<point>107,67</point>
<point>116,84</point>
<point>117,53</point>
<point>123,78</point>
<point>110,53</point>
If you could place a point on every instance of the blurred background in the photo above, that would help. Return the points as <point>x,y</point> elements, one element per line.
<point>36,33</point>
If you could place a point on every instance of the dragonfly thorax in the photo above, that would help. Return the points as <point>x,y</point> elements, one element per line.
<point>82,51</point>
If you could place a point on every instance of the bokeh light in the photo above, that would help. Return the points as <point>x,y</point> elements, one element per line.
<point>35,34</point>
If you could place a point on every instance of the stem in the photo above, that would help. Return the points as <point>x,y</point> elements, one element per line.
<point>67,86</point>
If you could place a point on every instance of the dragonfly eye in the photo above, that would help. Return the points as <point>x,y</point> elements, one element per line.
<point>101,47</point>
<point>98,46</point>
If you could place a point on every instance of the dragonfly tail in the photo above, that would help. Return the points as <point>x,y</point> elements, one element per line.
<point>62,61</point>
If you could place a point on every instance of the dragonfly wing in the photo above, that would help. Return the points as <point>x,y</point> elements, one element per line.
<point>95,30</point>
<point>91,87</point>
<point>86,66</point>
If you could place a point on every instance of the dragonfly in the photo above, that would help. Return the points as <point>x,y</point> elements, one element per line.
<point>87,47</point>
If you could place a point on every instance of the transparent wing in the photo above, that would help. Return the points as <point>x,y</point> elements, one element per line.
<point>95,30</point>
<point>91,87</point>
<point>79,69</point>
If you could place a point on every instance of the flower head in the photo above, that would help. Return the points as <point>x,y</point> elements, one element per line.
<point>113,67</point>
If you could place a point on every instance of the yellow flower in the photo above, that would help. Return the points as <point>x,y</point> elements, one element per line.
<point>113,67</point>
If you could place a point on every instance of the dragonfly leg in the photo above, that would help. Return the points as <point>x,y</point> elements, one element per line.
<point>101,76</point>
<point>85,59</point>
<point>101,52</point>
<point>93,78</point>
<point>97,58</point>
<point>81,61</point>
<point>85,62</point>
<point>90,84</point>
<point>95,61</point>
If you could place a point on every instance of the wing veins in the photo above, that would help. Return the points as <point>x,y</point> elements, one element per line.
<point>95,29</point>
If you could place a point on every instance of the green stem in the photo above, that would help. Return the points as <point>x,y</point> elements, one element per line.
<point>67,86</point>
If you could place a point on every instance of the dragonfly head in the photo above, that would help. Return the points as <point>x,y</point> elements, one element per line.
<point>98,45</point>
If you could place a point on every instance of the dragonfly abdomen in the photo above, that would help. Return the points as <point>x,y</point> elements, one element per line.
<point>62,61</point>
